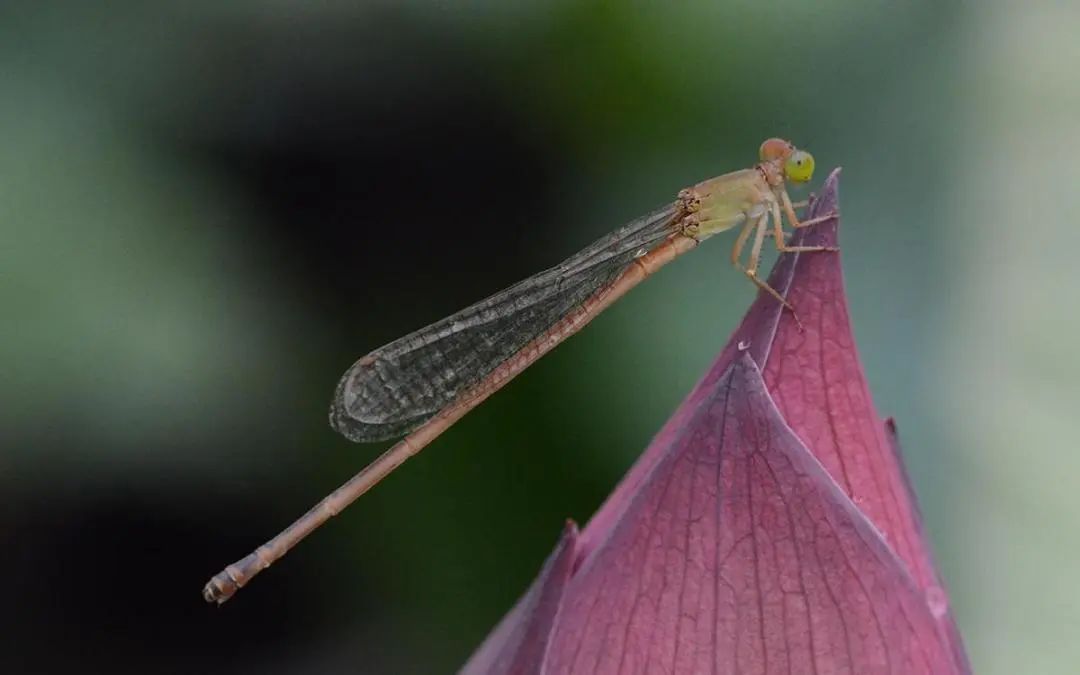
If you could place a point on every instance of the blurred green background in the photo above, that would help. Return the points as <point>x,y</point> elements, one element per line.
<point>209,210</point>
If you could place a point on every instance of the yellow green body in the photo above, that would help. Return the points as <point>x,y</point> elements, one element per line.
<point>727,201</point>
<point>735,198</point>
<point>753,199</point>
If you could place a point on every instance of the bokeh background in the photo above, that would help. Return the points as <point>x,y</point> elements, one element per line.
<point>209,210</point>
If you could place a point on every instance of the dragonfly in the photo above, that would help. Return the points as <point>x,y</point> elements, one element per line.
<point>417,386</point>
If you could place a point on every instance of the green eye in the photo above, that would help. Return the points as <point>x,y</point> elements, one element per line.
<point>799,168</point>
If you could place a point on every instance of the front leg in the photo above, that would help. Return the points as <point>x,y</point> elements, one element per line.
<point>781,243</point>
<point>789,211</point>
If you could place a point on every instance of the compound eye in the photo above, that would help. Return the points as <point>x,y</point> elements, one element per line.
<point>775,148</point>
<point>799,167</point>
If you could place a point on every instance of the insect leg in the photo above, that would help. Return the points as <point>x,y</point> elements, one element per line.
<point>794,205</point>
<point>740,241</point>
<point>812,221</point>
<point>761,226</point>
<point>789,211</point>
<point>781,244</point>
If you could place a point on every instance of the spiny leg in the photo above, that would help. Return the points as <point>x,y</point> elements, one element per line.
<point>789,211</point>
<point>812,221</point>
<point>761,225</point>
<point>740,241</point>
<point>794,205</point>
<point>781,243</point>
<point>796,223</point>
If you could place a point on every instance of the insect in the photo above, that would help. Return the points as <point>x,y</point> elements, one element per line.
<point>419,385</point>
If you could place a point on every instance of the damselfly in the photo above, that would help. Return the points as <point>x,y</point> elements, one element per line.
<point>419,385</point>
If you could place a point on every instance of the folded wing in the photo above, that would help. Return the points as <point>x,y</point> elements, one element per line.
<point>401,385</point>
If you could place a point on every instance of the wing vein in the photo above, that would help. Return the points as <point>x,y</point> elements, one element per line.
<point>401,385</point>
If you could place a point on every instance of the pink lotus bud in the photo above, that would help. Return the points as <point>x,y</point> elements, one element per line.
<point>768,528</point>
